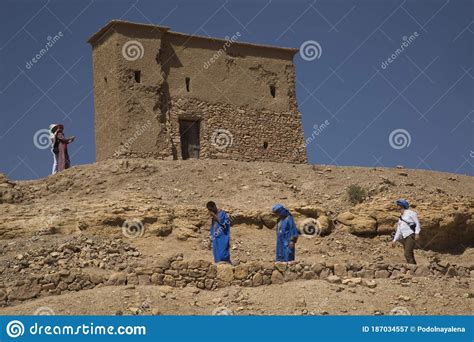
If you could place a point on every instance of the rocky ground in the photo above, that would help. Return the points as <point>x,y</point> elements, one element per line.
<point>130,237</point>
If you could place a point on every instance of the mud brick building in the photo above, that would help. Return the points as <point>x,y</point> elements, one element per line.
<point>169,95</point>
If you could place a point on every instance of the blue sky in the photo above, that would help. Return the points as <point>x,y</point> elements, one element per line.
<point>422,99</point>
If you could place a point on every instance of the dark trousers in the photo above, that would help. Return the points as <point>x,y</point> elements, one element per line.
<point>409,246</point>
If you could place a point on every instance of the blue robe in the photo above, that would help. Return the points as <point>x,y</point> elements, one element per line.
<point>286,230</point>
<point>220,236</point>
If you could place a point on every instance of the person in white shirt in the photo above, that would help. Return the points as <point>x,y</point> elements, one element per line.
<point>408,230</point>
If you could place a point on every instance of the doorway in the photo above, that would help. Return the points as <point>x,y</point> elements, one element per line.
<point>189,133</point>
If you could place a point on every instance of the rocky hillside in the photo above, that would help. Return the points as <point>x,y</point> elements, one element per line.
<point>139,228</point>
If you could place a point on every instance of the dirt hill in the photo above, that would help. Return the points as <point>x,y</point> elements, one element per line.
<point>130,237</point>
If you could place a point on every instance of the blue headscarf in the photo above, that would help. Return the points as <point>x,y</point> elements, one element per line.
<point>280,209</point>
<point>286,232</point>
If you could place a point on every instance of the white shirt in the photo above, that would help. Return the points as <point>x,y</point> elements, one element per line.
<point>403,229</point>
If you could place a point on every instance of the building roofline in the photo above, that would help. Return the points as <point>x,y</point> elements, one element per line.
<point>96,36</point>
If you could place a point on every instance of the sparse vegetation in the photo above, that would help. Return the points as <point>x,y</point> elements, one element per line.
<point>356,194</point>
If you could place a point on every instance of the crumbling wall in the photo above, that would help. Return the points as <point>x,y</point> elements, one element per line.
<point>239,116</point>
<point>240,76</point>
<point>143,128</point>
<point>79,265</point>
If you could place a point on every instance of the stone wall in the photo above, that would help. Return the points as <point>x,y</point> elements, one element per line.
<point>176,272</point>
<point>202,274</point>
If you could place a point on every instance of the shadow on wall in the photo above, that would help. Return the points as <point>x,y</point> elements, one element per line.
<point>166,58</point>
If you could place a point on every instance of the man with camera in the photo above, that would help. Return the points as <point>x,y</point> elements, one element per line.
<point>408,230</point>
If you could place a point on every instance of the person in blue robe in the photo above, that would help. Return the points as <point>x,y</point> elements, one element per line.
<point>220,233</point>
<point>286,234</point>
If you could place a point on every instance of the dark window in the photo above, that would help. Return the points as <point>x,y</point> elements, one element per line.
<point>187,83</point>
<point>265,144</point>
<point>137,74</point>
<point>273,90</point>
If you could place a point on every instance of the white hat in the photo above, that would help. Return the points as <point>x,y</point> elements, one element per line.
<point>54,127</point>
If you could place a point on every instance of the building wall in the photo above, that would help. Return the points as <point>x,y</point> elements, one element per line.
<point>106,83</point>
<point>143,129</point>
<point>229,95</point>
<point>241,77</point>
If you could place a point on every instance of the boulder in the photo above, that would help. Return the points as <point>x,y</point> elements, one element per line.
<point>144,279</point>
<point>311,211</point>
<point>163,263</point>
<point>451,272</point>
<point>325,224</point>
<point>24,292</point>
<point>157,279</point>
<point>277,277</point>
<point>3,178</point>
<point>352,281</point>
<point>241,272</point>
<point>369,283</point>
<point>225,272</point>
<point>132,279</point>
<point>3,293</point>
<point>118,278</point>
<point>209,284</point>
<point>161,229</point>
<point>290,276</point>
<point>345,218</point>
<point>169,280</point>
<point>257,279</point>
<point>363,225</point>
<point>317,268</point>
<point>211,271</point>
<point>281,266</point>
<point>333,279</point>
<point>340,270</point>
<point>382,274</point>
<point>268,220</point>
<point>358,224</point>
<point>422,271</point>
<point>326,272</point>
